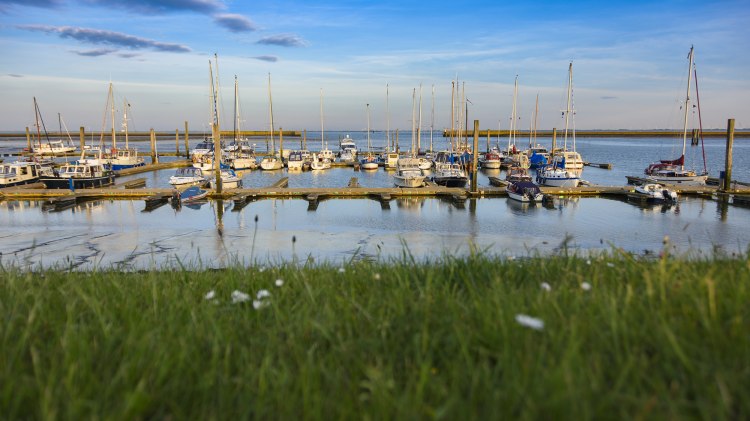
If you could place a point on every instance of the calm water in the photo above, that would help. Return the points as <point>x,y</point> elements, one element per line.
<point>118,233</point>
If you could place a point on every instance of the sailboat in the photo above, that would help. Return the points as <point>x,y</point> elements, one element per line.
<point>515,157</point>
<point>127,157</point>
<point>673,171</point>
<point>538,154</point>
<point>322,160</point>
<point>448,172</point>
<point>564,170</point>
<point>271,161</point>
<point>51,147</point>
<point>240,153</point>
<point>390,155</point>
<point>370,161</point>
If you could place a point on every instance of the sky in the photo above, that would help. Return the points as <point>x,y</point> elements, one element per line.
<point>365,58</point>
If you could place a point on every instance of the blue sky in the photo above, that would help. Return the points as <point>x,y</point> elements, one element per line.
<point>629,61</point>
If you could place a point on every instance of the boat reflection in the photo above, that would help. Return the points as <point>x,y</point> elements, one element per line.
<point>410,203</point>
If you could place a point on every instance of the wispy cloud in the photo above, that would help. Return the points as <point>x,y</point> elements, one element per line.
<point>98,36</point>
<point>94,53</point>
<point>284,40</point>
<point>128,55</point>
<point>47,4</point>
<point>234,22</point>
<point>607,97</point>
<point>14,75</point>
<point>270,59</point>
<point>163,6</point>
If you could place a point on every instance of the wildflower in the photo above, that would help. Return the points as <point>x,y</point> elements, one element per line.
<point>279,282</point>
<point>262,294</point>
<point>585,286</point>
<point>588,261</point>
<point>210,295</point>
<point>239,297</point>
<point>530,322</point>
<point>259,304</point>
<point>546,286</point>
<point>376,276</point>
<point>610,264</point>
<point>342,270</point>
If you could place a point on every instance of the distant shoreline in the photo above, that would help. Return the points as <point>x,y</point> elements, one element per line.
<point>445,133</point>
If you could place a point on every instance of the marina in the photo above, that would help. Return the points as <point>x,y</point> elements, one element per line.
<point>342,213</point>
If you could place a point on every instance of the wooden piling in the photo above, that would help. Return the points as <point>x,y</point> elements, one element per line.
<point>216,135</point>
<point>187,148</point>
<point>28,139</point>
<point>177,142</point>
<point>488,140</point>
<point>728,157</point>
<point>152,137</point>
<point>82,137</point>
<point>554,143</point>
<point>304,140</point>
<point>281,144</point>
<point>474,158</point>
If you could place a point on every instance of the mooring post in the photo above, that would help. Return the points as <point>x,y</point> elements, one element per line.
<point>82,137</point>
<point>216,135</point>
<point>153,147</point>
<point>474,158</point>
<point>28,139</point>
<point>187,148</point>
<point>554,142</point>
<point>176,142</point>
<point>304,140</point>
<point>281,144</point>
<point>728,158</point>
<point>488,140</point>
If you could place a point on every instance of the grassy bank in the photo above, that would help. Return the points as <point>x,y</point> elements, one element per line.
<point>663,339</point>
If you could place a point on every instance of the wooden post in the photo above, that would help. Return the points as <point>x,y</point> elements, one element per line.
<point>554,142</point>
<point>728,158</point>
<point>153,147</point>
<point>281,144</point>
<point>28,140</point>
<point>187,147</point>
<point>176,142</point>
<point>304,140</point>
<point>474,158</point>
<point>397,148</point>
<point>488,140</point>
<point>82,137</point>
<point>216,135</point>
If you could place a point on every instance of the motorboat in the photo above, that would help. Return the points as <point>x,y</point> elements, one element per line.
<point>80,176</point>
<point>408,173</point>
<point>19,173</point>
<point>449,175</point>
<point>187,176</point>
<point>557,177</point>
<point>229,180</point>
<point>655,193</point>
<point>524,191</point>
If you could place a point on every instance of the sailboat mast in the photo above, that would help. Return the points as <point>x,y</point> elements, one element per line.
<point>419,128</point>
<point>322,134</point>
<point>432,118</point>
<point>216,94</point>
<point>369,147</point>
<point>700,120</point>
<point>388,120</point>
<point>125,106</point>
<point>270,111</point>
<point>413,119</point>
<point>111,101</point>
<point>512,133</point>
<point>687,107</point>
<point>453,111</point>
<point>567,107</point>
<point>236,112</point>
<point>536,116</point>
<point>38,127</point>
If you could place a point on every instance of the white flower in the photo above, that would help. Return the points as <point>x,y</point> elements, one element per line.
<point>279,282</point>
<point>588,262</point>
<point>546,286</point>
<point>239,297</point>
<point>259,304</point>
<point>210,295</point>
<point>262,294</point>
<point>342,270</point>
<point>530,322</point>
<point>376,276</point>
<point>261,269</point>
<point>610,264</point>
<point>585,286</point>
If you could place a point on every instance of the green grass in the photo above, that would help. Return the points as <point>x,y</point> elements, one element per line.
<point>657,339</point>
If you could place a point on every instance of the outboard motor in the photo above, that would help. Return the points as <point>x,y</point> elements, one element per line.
<point>667,196</point>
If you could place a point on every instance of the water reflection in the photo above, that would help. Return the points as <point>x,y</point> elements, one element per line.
<point>413,204</point>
